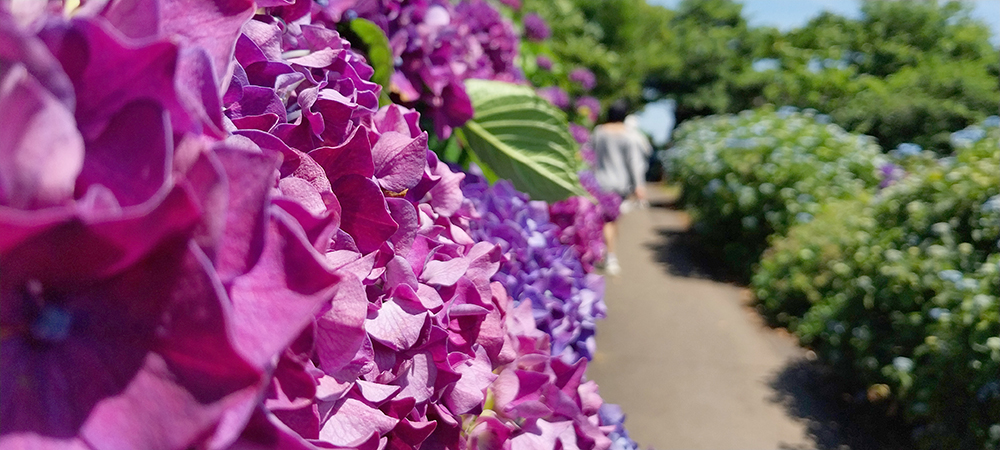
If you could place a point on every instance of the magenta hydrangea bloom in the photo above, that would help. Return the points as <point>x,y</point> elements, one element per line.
<point>581,225</point>
<point>543,62</point>
<point>535,27</point>
<point>609,203</point>
<point>541,401</point>
<point>270,263</point>
<point>375,201</point>
<point>555,95</point>
<point>580,133</point>
<point>438,45</point>
<point>583,77</point>
<point>513,4</point>
<point>127,336</point>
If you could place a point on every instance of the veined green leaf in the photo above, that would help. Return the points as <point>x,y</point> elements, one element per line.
<point>521,137</point>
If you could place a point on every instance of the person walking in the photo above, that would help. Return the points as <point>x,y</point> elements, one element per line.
<point>620,168</point>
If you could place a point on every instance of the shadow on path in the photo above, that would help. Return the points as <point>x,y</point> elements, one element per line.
<point>809,392</point>
<point>679,251</point>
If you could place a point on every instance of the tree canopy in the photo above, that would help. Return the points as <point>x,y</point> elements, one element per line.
<point>902,71</point>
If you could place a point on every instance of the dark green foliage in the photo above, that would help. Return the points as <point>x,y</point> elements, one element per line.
<point>900,293</point>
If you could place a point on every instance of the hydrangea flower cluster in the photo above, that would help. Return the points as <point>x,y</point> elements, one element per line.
<point>251,253</point>
<point>889,173</point>
<point>923,247</point>
<point>438,45</point>
<point>583,77</point>
<point>535,27</point>
<point>538,401</point>
<point>555,95</point>
<point>513,4</point>
<point>588,107</point>
<point>543,62</point>
<point>752,175</point>
<point>581,224</point>
<point>567,299</point>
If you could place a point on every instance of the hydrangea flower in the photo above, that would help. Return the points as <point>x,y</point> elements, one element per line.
<point>588,107</point>
<point>540,401</point>
<point>513,4</point>
<point>967,137</point>
<point>535,27</point>
<point>890,174</point>
<point>439,45</point>
<point>540,267</point>
<point>580,133</point>
<point>131,336</point>
<point>908,149</point>
<point>584,78</point>
<point>609,203</point>
<point>555,95</point>
<point>543,62</point>
<point>581,225</point>
<point>375,201</point>
<point>275,262</point>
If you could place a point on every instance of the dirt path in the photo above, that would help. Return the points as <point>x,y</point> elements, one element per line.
<point>691,365</point>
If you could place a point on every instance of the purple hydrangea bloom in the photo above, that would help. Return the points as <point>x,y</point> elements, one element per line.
<point>540,267</point>
<point>612,415</point>
<point>588,107</point>
<point>541,401</point>
<point>513,4</point>
<point>581,225</point>
<point>131,336</point>
<point>374,200</point>
<point>555,95</point>
<point>439,45</point>
<point>543,62</point>
<point>275,262</point>
<point>535,27</point>
<point>583,77</point>
<point>580,133</point>
<point>890,174</point>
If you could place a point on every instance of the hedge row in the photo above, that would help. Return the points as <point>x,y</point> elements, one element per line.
<point>755,174</point>
<point>893,284</point>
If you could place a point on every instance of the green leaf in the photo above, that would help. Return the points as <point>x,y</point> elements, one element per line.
<point>376,47</point>
<point>521,137</point>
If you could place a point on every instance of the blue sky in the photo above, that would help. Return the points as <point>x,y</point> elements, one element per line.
<point>788,14</point>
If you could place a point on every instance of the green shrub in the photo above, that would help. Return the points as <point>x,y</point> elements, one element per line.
<point>900,292</point>
<point>751,175</point>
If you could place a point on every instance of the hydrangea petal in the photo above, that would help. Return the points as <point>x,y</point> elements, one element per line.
<point>352,421</point>
<point>365,215</point>
<point>41,153</point>
<point>340,329</point>
<point>282,293</point>
<point>399,160</point>
<point>470,390</point>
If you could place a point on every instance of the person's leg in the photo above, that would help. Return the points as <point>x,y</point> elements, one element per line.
<point>611,265</point>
